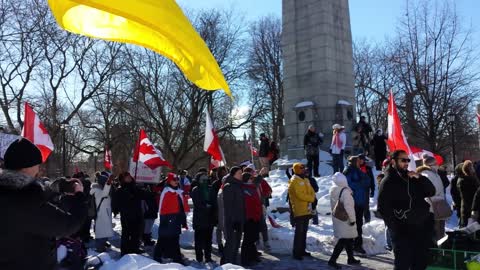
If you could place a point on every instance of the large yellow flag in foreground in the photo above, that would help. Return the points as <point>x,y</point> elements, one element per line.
<point>159,25</point>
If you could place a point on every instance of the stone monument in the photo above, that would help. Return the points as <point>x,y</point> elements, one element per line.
<point>318,70</point>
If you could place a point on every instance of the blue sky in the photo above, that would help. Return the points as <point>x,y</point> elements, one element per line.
<point>370,19</point>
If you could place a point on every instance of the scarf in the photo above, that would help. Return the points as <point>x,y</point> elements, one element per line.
<point>336,139</point>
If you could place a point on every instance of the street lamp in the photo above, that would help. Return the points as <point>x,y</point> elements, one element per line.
<point>95,154</point>
<point>64,127</point>
<point>451,120</point>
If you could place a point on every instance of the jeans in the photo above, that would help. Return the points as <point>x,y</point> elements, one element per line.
<point>232,244</point>
<point>300,238</point>
<point>337,163</point>
<point>203,244</point>
<point>341,244</point>
<point>359,221</point>
<point>250,236</point>
<point>312,164</point>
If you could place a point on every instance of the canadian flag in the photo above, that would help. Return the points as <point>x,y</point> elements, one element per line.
<point>147,154</point>
<point>215,163</point>
<point>396,137</point>
<point>419,152</point>
<point>107,159</point>
<point>211,144</point>
<point>36,132</point>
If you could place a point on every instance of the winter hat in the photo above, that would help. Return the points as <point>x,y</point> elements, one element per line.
<point>234,170</point>
<point>171,177</point>
<point>22,154</point>
<point>337,126</point>
<point>246,177</point>
<point>428,160</point>
<point>311,126</point>
<point>298,167</point>
<point>102,180</point>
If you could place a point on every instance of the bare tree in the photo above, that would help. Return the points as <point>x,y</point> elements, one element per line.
<point>265,71</point>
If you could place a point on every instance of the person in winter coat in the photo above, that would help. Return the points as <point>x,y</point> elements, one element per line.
<point>442,172</point>
<point>265,192</point>
<point>429,170</point>
<point>311,143</point>
<point>467,186</point>
<point>273,152</point>
<point>456,198</point>
<point>103,221</point>
<point>314,184</point>
<point>127,201</point>
<point>216,185</point>
<point>172,218</point>
<point>364,129</point>
<point>402,204</point>
<point>337,148</point>
<point>253,212</point>
<point>84,233</point>
<point>263,151</point>
<point>150,206</point>
<point>379,143</point>
<point>233,214</point>
<point>359,182</point>
<point>344,231</point>
<point>469,171</point>
<point>371,190</point>
<point>204,200</point>
<point>301,196</point>
<point>31,222</point>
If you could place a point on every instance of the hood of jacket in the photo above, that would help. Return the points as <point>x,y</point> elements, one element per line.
<point>423,168</point>
<point>14,180</point>
<point>340,180</point>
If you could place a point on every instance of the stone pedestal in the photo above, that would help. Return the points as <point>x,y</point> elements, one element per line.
<point>318,70</point>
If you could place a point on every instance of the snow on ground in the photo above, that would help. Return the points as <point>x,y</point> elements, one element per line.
<point>319,238</point>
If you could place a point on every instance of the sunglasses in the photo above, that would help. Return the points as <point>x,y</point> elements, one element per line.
<point>406,160</point>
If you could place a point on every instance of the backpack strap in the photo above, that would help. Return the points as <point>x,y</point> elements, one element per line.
<point>100,204</point>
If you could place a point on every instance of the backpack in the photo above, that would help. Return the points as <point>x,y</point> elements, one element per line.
<point>339,211</point>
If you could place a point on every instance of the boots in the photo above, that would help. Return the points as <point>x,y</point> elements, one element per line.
<point>147,239</point>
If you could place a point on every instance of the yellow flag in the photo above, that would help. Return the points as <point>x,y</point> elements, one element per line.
<point>159,25</point>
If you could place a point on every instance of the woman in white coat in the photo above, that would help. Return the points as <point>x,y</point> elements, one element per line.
<point>344,231</point>
<point>429,170</point>
<point>103,221</point>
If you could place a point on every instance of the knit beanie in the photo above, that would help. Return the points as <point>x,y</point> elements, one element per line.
<point>297,168</point>
<point>22,154</point>
<point>428,160</point>
<point>234,169</point>
<point>102,180</point>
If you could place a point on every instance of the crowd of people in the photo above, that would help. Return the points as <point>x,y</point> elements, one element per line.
<point>44,214</point>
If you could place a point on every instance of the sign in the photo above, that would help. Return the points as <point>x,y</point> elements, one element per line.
<point>144,173</point>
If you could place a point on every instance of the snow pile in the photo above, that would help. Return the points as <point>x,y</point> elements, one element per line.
<point>138,262</point>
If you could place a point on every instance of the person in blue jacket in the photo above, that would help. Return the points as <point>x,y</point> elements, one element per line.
<point>359,183</point>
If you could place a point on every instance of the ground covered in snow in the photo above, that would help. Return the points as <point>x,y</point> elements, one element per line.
<point>320,240</point>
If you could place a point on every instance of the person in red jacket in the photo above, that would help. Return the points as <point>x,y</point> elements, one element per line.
<point>172,218</point>
<point>253,209</point>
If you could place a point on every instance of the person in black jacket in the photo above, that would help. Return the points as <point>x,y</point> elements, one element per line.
<point>234,214</point>
<point>151,213</point>
<point>456,198</point>
<point>467,185</point>
<point>203,199</point>
<point>401,202</point>
<point>216,184</point>
<point>311,143</point>
<point>30,221</point>
<point>127,201</point>
<point>84,232</point>
<point>379,148</point>
<point>263,151</point>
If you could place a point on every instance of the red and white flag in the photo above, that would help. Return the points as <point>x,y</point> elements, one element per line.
<point>107,159</point>
<point>215,163</point>
<point>419,152</point>
<point>36,132</point>
<point>253,149</point>
<point>396,137</point>
<point>146,153</point>
<point>211,144</point>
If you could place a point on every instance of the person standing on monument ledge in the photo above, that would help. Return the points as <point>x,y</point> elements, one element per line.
<point>263,151</point>
<point>337,148</point>
<point>311,144</point>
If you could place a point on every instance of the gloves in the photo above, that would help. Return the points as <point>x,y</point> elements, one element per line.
<point>237,226</point>
<point>352,223</point>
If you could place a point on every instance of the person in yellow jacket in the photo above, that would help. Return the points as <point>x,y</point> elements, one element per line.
<point>301,196</point>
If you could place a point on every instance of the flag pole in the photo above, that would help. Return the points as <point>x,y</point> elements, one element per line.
<point>251,152</point>
<point>137,149</point>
